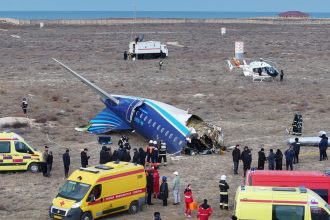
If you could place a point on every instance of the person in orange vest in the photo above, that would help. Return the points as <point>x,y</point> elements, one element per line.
<point>149,149</point>
<point>188,198</point>
<point>204,211</point>
<point>156,182</point>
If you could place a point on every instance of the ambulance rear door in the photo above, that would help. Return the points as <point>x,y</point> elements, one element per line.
<point>5,155</point>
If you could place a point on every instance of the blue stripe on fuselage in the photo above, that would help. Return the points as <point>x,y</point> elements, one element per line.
<point>183,129</point>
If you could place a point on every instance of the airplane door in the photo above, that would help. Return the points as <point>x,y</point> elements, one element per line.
<point>132,108</point>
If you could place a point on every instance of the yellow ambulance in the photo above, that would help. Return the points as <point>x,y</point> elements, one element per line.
<point>16,154</point>
<point>93,192</point>
<point>279,203</point>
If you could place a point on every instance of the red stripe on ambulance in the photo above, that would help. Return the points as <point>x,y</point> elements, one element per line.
<point>17,160</point>
<point>120,175</point>
<point>119,196</point>
<point>125,194</point>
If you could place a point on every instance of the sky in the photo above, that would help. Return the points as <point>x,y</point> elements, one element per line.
<point>167,5</point>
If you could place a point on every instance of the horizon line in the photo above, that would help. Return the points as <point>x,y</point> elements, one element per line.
<point>42,10</point>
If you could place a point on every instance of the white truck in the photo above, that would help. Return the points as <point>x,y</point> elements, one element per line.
<point>146,49</point>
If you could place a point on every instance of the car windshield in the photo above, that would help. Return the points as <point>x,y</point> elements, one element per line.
<point>73,190</point>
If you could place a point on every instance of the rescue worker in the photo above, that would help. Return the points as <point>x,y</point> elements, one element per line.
<point>204,211</point>
<point>246,157</point>
<point>66,163</point>
<point>126,144</point>
<point>323,146</point>
<point>295,125</point>
<point>162,154</point>
<point>150,186</point>
<point>296,149</point>
<point>142,155</point>
<point>149,150</point>
<point>278,159</point>
<point>154,153</point>
<point>121,141</point>
<point>136,156</point>
<point>156,182</point>
<point>104,155</point>
<point>271,160</point>
<point>125,55</point>
<point>84,158</point>
<point>24,106</point>
<point>44,161</point>
<point>49,163</point>
<point>164,190</point>
<point>236,157</point>
<point>261,159</point>
<point>289,155</point>
<point>188,198</point>
<point>160,64</point>
<point>281,75</point>
<point>176,188</point>
<point>223,186</point>
<point>299,125</point>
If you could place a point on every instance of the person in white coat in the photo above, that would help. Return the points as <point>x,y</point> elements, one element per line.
<point>176,188</point>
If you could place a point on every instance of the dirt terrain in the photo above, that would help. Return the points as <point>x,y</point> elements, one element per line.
<point>251,114</point>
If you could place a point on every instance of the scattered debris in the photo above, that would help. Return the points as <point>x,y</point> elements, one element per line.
<point>176,44</point>
<point>15,36</point>
<point>199,95</point>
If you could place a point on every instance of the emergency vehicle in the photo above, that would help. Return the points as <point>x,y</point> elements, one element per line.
<point>317,181</point>
<point>16,154</point>
<point>93,192</point>
<point>279,203</point>
<point>147,49</point>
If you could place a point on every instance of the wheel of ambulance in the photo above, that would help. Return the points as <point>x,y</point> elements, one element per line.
<point>133,208</point>
<point>86,216</point>
<point>33,167</point>
<point>162,55</point>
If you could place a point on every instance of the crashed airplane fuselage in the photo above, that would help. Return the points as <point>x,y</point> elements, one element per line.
<point>151,119</point>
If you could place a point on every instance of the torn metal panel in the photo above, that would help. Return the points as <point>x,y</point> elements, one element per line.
<point>206,136</point>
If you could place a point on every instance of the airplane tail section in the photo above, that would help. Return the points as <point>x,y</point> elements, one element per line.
<point>104,122</point>
<point>100,91</point>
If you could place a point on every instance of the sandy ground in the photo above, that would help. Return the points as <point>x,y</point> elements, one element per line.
<point>251,114</point>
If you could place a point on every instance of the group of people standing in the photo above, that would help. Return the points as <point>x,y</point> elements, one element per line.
<point>275,160</point>
<point>47,162</point>
<point>162,192</point>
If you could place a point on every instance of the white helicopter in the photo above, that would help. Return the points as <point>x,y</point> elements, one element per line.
<point>258,70</point>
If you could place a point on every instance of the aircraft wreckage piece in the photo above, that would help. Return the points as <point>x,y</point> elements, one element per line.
<point>308,141</point>
<point>151,119</point>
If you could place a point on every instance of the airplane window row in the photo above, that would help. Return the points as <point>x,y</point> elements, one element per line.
<point>159,127</point>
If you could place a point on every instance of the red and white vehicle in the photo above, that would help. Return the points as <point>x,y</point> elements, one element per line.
<point>317,181</point>
<point>147,49</point>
